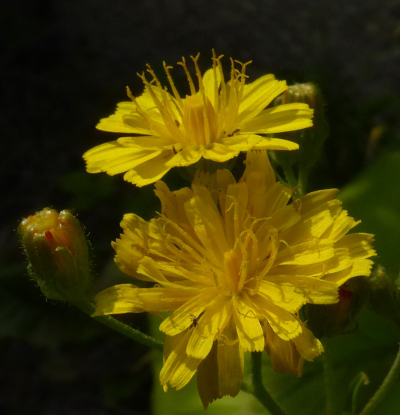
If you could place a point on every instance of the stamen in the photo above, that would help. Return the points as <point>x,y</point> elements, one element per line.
<point>216,86</point>
<point>188,76</point>
<point>242,75</point>
<point>223,85</point>
<point>273,251</point>
<point>206,111</point>
<point>197,70</point>
<point>142,113</point>
<point>163,107</point>
<point>129,93</point>
<point>167,69</point>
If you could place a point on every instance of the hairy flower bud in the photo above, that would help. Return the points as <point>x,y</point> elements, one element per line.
<point>384,294</point>
<point>57,253</point>
<point>298,164</point>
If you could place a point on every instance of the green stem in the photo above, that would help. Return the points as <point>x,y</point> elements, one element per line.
<point>387,384</point>
<point>259,391</point>
<point>121,328</point>
<point>359,383</point>
<point>328,383</point>
<point>290,176</point>
<point>302,181</point>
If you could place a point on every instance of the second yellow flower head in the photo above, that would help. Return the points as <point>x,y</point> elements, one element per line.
<point>217,120</point>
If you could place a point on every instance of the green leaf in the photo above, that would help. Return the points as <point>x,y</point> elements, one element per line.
<point>374,197</point>
<point>370,349</point>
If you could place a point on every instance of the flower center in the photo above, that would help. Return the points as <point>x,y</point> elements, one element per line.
<point>199,119</point>
<point>207,114</point>
<point>251,259</point>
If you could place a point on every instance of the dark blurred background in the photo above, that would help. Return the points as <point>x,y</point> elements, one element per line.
<point>65,64</point>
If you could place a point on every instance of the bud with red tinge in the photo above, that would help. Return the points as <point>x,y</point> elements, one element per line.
<point>58,255</point>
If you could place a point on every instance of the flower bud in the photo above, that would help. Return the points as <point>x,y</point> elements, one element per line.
<point>384,294</point>
<point>338,318</point>
<point>57,253</point>
<point>310,140</point>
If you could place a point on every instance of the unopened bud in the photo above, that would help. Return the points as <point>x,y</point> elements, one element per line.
<point>384,294</point>
<point>310,140</point>
<point>57,253</point>
<point>332,319</point>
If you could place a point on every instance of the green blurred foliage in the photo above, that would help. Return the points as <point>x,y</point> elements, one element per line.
<point>375,198</point>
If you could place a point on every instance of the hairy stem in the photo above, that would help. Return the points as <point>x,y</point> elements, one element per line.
<point>121,327</point>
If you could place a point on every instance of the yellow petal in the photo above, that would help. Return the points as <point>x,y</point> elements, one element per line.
<point>211,82</point>
<point>285,324</point>
<point>313,290</point>
<point>212,321</point>
<point>358,245</point>
<point>207,378</point>
<point>234,210</point>
<point>259,172</point>
<point>172,202</point>
<point>230,368</point>
<point>132,244</point>
<point>178,368</point>
<point>342,225</point>
<point>182,318</point>
<point>284,294</point>
<point>118,156</point>
<point>359,267</point>
<point>220,152</point>
<point>285,219</point>
<point>127,298</point>
<point>259,94</point>
<point>249,141</point>
<point>186,157</point>
<point>315,200</point>
<point>248,327</point>
<point>221,373</point>
<point>281,118</point>
<point>207,223</point>
<point>124,120</point>
<point>284,355</point>
<point>150,171</point>
<point>307,345</point>
<point>154,270</point>
<point>309,252</point>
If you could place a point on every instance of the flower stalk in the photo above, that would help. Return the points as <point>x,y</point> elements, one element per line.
<point>387,384</point>
<point>259,390</point>
<point>120,327</point>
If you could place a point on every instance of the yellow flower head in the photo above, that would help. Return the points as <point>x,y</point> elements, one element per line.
<point>234,262</point>
<point>217,120</point>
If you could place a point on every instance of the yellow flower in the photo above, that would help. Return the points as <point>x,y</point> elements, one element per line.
<point>234,262</point>
<point>216,121</point>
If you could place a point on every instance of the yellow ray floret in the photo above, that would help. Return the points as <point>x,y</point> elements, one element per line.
<point>218,119</point>
<point>233,263</point>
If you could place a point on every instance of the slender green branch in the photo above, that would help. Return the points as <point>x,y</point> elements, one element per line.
<point>259,391</point>
<point>390,379</point>
<point>360,381</point>
<point>122,328</point>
